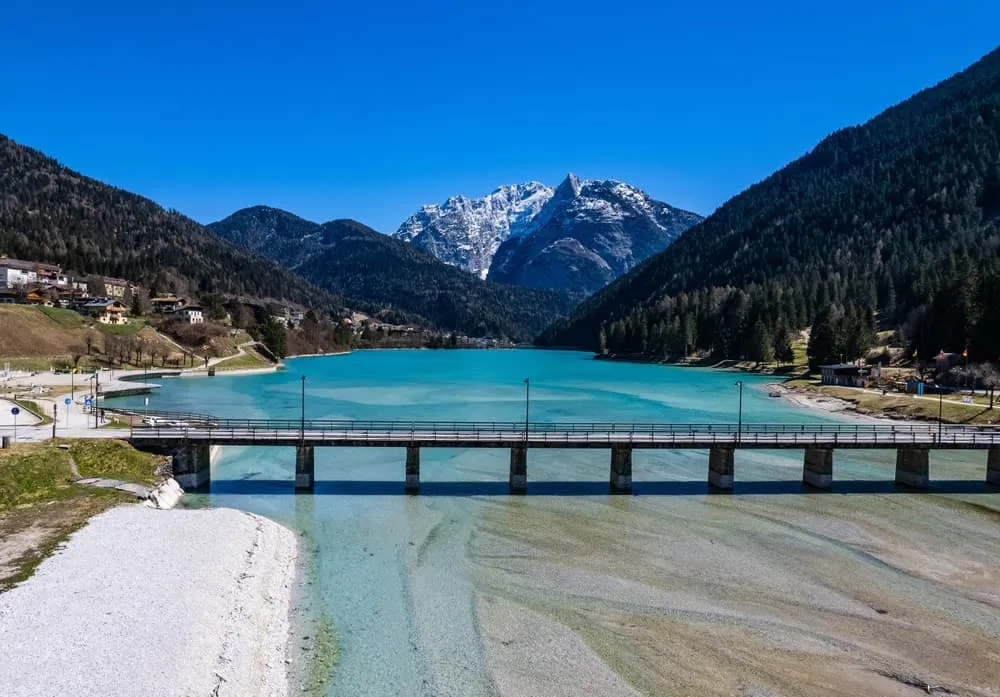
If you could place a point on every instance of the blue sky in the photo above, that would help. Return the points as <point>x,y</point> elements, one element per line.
<point>368,110</point>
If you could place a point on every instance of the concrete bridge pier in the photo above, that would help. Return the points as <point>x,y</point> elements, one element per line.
<point>621,470</point>
<point>412,485</point>
<point>305,467</point>
<point>993,466</point>
<point>720,468</point>
<point>519,469</point>
<point>913,467</point>
<point>817,469</point>
<point>192,465</point>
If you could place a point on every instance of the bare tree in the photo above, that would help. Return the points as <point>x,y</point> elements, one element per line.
<point>76,351</point>
<point>989,376</point>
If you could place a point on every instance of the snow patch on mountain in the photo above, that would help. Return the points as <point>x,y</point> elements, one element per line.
<point>579,236</point>
<point>466,232</point>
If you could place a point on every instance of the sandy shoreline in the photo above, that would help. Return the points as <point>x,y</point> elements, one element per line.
<point>145,602</point>
<point>827,405</point>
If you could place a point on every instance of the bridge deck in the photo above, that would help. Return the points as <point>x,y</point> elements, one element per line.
<point>571,435</point>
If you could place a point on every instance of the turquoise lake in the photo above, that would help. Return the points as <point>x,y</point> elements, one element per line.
<point>442,593</point>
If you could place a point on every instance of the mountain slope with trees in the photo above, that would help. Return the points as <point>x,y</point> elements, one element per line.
<point>349,258</point>
<point>891,224</point>
<point>51,214</point>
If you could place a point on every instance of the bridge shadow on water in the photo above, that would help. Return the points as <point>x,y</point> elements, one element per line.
<point>339,487</point>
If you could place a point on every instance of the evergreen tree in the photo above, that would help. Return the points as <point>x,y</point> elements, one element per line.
<point>824,340</point>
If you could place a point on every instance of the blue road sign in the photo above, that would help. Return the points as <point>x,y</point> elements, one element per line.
<point>15,411</point>
<point>67,401</point>
<point>88,401</point>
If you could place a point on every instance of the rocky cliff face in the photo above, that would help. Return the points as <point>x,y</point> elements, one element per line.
<point>588,234</point>
<point>466,232</point>
<point>579,236</point>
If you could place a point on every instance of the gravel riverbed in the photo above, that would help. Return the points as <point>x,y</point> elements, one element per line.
<point>155,603</point>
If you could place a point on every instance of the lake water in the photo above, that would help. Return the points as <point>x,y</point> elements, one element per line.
<point>465,590</point>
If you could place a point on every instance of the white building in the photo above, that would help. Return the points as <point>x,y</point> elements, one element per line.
<point>16,278</point>
<point>15,272</point>
<point>192,314</point>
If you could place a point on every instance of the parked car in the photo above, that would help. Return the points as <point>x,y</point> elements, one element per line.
<point>150,421</point>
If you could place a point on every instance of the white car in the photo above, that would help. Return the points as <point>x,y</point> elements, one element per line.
<point>150,421</point>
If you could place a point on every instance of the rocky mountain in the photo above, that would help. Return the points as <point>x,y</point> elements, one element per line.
<point>466,232</point>
<point>588,234</point>
<point>344,256</point>
<point>50,213</point>
<point>891,224</point>
<point>577,237</point>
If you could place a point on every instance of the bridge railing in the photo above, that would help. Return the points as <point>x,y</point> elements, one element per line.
<point>760,435</point>
<point>550,427</point>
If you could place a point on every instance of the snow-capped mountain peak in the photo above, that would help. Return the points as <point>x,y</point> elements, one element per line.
<point>466,232</point>
<point>579,235</point>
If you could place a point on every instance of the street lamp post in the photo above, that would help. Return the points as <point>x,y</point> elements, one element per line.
<point>739,418</point>
<point>940,411</point>
<point>97,397</point>
<point>527,406</point>
<point>302,418</point>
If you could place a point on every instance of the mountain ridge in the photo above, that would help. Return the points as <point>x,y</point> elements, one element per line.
<point>349,258</point>
<point>527,234</point>
<point>882,222</point>
<point>52,213</point>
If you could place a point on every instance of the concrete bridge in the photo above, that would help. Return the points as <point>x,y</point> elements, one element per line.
<point>189,443</point>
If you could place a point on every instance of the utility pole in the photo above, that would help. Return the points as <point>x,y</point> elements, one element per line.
<point>97,396</point>
<point>55,418</point>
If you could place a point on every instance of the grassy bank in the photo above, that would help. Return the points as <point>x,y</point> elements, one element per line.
<point>245,361</point>
<point>40,506</point>
<point>902,406</point>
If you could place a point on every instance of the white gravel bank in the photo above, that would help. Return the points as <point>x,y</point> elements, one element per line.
<point>148,602</point>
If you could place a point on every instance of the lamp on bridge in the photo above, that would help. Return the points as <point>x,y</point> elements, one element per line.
<point>302,412</point>
<point>739,418</point>
<point>527,404</point>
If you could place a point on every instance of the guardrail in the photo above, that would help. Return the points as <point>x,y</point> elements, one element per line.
<point>573,434</point>
<point>184,417</point>
<point>561,427</point>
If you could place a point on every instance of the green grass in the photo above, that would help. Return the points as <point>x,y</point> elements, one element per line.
<point>34,474</point>
<point>247,360</point>
<point>38,365</point>
<point>40,472</point>
<point>36,409</point>
<point>241,337</point>
<point>113,458</point>
<point>63,317</point>
<point>133,327</point>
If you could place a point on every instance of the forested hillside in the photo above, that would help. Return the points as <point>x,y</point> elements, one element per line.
<point>892,224</point>
<point>52,214</point>
<point>351,259</point>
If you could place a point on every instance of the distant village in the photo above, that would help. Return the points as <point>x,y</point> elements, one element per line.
<point>117,301</point>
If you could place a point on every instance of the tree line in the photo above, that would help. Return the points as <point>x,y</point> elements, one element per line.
<point>894,224</point>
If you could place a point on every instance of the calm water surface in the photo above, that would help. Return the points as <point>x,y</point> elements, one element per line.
<point>400,576</point>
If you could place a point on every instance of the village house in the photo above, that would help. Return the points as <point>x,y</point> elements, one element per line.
<point>106,311</point>
<point>192,314</point>
<point>115,287</point>
<point>166,304</point>
<point>844,375</point>
<point>289,318</point>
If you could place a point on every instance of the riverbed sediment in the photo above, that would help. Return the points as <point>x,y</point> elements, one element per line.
<point>155,603</point>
